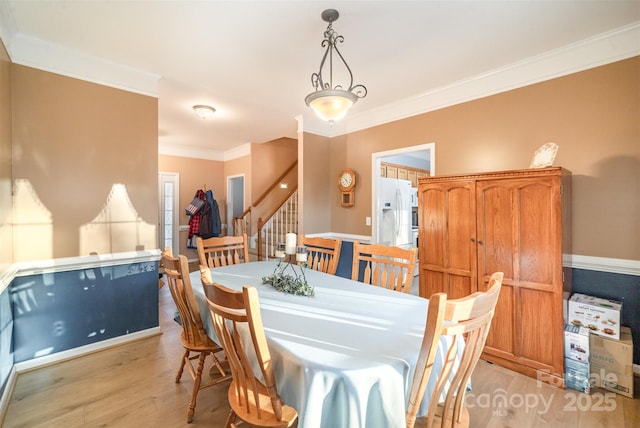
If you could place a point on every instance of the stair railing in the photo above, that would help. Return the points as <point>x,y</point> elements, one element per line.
<point>278,223</point>
<point>243,223</point>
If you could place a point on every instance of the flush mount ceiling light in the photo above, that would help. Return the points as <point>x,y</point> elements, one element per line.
<point>331,102</point>
<point>205,112</point>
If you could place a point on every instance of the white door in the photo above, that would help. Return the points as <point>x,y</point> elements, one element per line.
<point>169,192</point>
<point>235,198</point>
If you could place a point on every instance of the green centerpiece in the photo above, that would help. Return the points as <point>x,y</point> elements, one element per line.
<point>285,278</point>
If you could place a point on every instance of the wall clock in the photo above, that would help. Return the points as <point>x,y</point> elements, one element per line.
<point>347,183</point>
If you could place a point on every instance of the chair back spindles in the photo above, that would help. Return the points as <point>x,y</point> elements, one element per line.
<point>465,324</point>
<point>383,266</point>
<point>324,253</point>
<point>222,251</point>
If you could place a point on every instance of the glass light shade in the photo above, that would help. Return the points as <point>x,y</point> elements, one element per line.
<point>205,112</point>
<point>331,104</point>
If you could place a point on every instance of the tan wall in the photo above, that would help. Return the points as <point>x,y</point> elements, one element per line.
<point>314,193</point>
<point>593,117</point>
<point>194,174</point>
<point>268,161</point>
<point>6,233</point>
<point>73,140</point>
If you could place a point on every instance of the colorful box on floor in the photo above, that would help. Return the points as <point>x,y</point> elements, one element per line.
<point>612,362</point>
<point>601,316</point>
<point>576,343</point>
<point>577,376</point>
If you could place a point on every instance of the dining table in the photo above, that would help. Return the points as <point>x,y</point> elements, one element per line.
<point>344,357</point>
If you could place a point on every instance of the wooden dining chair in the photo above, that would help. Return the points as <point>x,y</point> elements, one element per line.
<point>222,251</point>
<point>323,253</point>
<point>194,338</point>
<point>252,399</point>
<point>388,267</point>
<point>466,322</point>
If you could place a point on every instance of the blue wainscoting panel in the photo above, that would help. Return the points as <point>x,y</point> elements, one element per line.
<point>346,259</point>
<point>614,286</point>
<point>58,311</point>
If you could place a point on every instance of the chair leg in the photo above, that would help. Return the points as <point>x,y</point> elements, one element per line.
<point>196,387</point>
<point>183,361</point>
<point>217,365</point>
<point>231,420</point>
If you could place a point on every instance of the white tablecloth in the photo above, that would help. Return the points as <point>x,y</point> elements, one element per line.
<point>343,358</point>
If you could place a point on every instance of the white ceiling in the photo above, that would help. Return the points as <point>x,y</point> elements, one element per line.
<point>252,60</point>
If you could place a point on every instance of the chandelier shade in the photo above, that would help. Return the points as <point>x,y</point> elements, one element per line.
<point>332,102</point>
<point>204,111</point>
<point>331,105</point>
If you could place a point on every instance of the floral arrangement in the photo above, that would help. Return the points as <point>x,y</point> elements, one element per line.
<point>292,283</point>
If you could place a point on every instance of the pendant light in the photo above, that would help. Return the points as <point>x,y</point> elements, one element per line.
<point>331,102</point>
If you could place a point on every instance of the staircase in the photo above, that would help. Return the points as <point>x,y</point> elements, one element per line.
<point>274,214</point>
<point>274,230</point>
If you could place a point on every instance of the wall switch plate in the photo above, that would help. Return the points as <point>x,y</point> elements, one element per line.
<point>367,221</point>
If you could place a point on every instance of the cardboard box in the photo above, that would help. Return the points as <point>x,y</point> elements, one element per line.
<point>601,316</point>
<point>577,376</point>
<point>576,343</point>
<point>612,362</point>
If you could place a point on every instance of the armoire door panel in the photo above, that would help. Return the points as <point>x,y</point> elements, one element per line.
<point>501,334</point>
<point>461,251</point>
<point>431,282</point>
<point>537,235</point>
<point>447,237</point>
<point>433,225</point>
<point>537,325</point>
<point>495,229</point>
<point>459,286</point>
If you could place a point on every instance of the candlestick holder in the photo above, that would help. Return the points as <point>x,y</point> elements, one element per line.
<point>285,278</point>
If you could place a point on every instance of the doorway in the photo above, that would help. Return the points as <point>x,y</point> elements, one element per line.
<point>169,193</point>
<point>235,198</point>
<point>421,156</point>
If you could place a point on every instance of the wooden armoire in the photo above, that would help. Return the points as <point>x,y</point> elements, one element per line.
<point>516,222</point>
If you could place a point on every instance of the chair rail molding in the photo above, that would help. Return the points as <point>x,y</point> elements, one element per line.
<point>602,264</point>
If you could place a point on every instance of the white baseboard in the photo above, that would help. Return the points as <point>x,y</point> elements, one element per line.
<point>58,357</point>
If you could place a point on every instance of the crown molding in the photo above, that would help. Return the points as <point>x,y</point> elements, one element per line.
<point>207,154</point>
<point>43,55</point>
<point>602,49</point>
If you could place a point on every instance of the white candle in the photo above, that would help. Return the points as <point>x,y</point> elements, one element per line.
<point>292,241</point>
<point>301,254</point>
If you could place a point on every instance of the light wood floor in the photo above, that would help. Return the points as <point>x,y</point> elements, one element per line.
<point>133,385</point>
